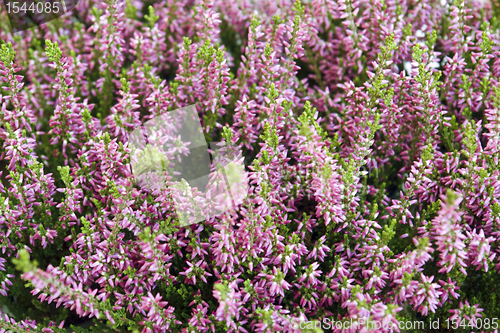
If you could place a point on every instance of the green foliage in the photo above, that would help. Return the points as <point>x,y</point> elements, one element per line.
<point>448,134</point>
<point>23,263</point>
<point>254,24</point>
<point>130,10</point>
<point>151,18</point>
<point>307,119</point>
<point>7,53</point>
<point>270,136</point>
<point>299,8</point>
<point>53,51</point>
<point>227,134</point>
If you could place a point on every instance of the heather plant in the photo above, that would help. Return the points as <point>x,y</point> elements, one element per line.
<point>369,132</point>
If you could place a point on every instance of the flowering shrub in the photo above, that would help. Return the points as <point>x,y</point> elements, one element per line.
<point>371,137</point>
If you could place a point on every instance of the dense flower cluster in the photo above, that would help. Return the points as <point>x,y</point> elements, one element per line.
<point>370,132</point>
